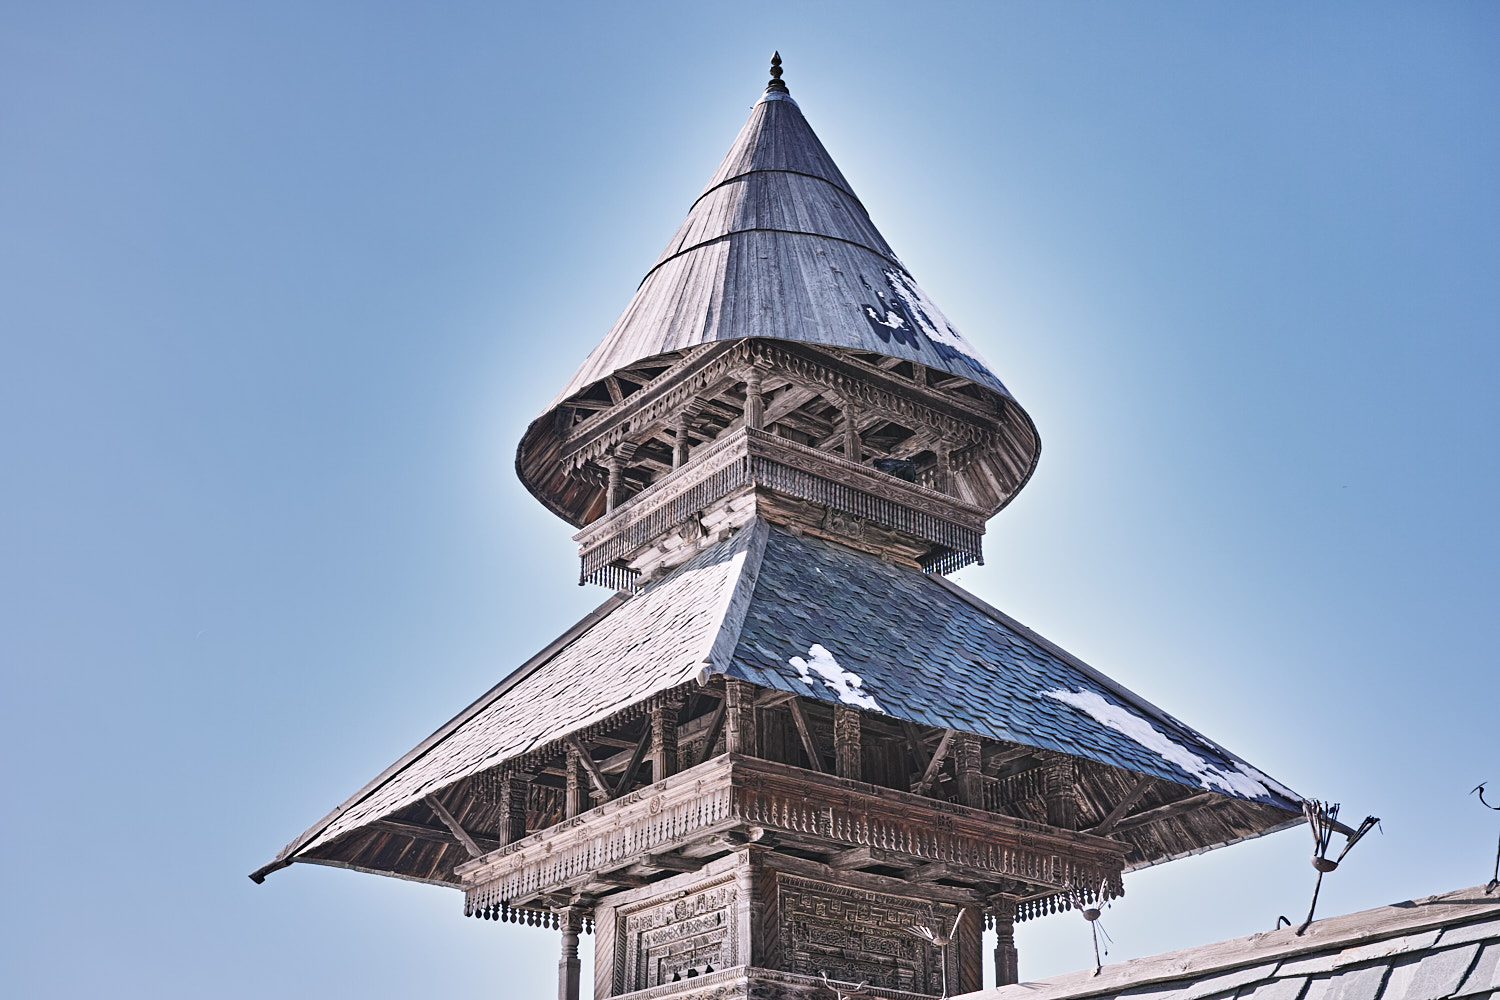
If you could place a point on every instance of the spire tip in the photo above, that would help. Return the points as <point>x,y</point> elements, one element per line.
<point>776,84</point>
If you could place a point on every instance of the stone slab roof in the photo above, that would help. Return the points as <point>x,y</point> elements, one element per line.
<point>1423,949</point>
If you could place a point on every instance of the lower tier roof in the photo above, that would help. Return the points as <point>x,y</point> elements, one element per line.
<point>829,623</point>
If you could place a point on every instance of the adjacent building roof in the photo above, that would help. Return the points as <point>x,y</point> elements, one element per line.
<point>826,622</point>
<point>778,246</point>
<point>1439,946</point>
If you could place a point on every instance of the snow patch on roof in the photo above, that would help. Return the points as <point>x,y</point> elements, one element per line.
<point>948,342</point>
<point>844,683</point>
<point>1243,780</point>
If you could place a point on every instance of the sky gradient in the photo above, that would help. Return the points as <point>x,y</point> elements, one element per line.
<point>281,285</point>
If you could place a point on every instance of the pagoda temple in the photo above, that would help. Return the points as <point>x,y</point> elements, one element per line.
<point>787,756</point>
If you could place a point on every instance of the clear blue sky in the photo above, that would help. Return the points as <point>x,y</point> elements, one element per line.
<point>282,283</point>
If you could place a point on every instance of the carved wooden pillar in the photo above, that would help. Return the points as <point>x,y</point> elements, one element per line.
<point>966,764</point>
<point>514,789</point>
<point>679,441</point>
<point>853,446</point>
<point>1007,962</point>
<point>612,488</point>
<point>847,755</point>
<point>568,965</point>
<point>739,717</point>
<point>663,740</point>
<point>944,473</point>
<point>1060,774</point>
<point>755,405</point>
<point>577,799</point>
<point>624,452</point>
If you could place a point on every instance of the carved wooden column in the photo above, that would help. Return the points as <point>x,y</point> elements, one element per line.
<point>966,764</point>
<point>568,966</point>
<point>739,717</point>
<point>680,432</point>
<point>1007,962</point>
<point>755,404</point>
<point>1059,776</point>
<point>944,472</point>
<point>853,446</point>
<point>663,740</point>
<point>624,452</point>
<point>514,789</point>
<point>576,798</point>
<point>847,756</point>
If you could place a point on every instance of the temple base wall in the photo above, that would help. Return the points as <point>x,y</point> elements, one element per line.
<point>764,925</point>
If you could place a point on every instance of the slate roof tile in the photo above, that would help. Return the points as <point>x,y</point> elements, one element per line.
<point>927,652</point>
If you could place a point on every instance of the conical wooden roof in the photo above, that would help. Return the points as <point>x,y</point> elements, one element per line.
<point>778,246</point>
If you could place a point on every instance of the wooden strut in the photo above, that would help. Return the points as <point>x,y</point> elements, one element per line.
<point>795,706</point>
<point>1123,806</point>
<point>596,776</point>
<point>1167,811</point>
<point>442,813</point>
<point>628,775</point>
<point>936,762</point>
<point>715,727</point>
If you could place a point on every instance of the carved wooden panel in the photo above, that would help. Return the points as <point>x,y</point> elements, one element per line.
<point>677,939</point>
<point>858,935</point>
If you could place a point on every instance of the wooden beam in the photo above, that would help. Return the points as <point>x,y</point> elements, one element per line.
<point>929,873</point>
<point>421,832</point>
<point>914,740</point>
<point>1123,806</point>
<point>936,762</point>
<point>770,698</point>
<point>672,862</point>
<point>442,813</point>
<point>1168,811</point>
<point>803,731</point>
<point>596,776</point>
<point>715,726</point>
<point>628,775</point>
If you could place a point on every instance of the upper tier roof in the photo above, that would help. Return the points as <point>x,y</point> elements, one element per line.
<point>778,246</point>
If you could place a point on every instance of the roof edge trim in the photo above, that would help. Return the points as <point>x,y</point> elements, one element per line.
<point>413,755</point>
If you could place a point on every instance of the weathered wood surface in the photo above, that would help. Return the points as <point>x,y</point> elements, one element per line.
<point>738,793</point>
<point>794,249</point>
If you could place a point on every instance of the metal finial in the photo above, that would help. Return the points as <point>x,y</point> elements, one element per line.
<point>776,83</point>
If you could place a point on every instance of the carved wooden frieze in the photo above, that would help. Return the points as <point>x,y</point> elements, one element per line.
<point>734,793</point>
<point>857,935</point>
<point>678,939</point>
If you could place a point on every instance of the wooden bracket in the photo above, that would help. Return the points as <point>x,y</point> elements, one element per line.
<point>442,813</point>
<point>1123,806</point>
<point>803,731</point>
<point>929,775</point>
